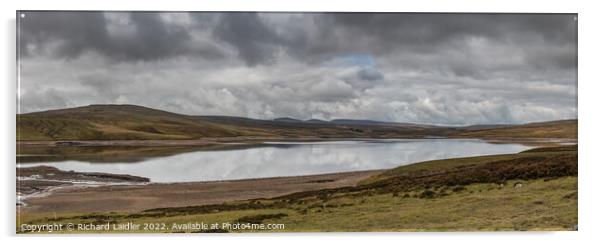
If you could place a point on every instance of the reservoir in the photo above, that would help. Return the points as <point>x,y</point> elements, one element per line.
<point>269,159</point>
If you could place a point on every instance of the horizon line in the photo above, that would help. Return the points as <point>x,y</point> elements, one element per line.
<point>306,120</point>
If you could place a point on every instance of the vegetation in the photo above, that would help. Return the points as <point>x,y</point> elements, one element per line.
<point>531,190</point>
<point>566,129</point>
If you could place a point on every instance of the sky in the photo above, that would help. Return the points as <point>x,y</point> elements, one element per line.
<point>444,69</point>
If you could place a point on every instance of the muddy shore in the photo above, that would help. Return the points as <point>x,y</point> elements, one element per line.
<point>137,197</point>
<point>34,182</point>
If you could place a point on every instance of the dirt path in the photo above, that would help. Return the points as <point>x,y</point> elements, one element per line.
<point>141,197</point>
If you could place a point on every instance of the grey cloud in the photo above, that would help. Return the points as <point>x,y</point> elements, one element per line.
<point>36,100</point>
<point>370,74</point>
<point>253,40</point>
<point>426,30</point>
<point>152,39</point>
<point>102,85</point>
<point>148,37</point>
<point>76,30</point>
<point>411,34</point>
<point>310,37</point>
<point>423,68</point>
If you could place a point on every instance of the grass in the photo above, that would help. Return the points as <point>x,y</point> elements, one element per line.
<point>566,129</point>
<point>444,166</point>
<point>532,190</point>
<point>538,205</point>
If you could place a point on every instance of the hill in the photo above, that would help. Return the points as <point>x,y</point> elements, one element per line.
<point>119,122</point>
<point>552,129</point>
<point>131,122</point>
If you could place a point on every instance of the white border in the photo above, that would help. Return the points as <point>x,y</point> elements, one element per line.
<point>589,119</point>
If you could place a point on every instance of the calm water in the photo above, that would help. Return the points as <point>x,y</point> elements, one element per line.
<point>287,159</point>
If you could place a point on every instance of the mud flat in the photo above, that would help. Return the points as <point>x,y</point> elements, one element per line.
<point>136,197</point>
<point>40,181</point>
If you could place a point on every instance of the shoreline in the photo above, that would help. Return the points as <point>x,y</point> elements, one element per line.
<point>124,197</point>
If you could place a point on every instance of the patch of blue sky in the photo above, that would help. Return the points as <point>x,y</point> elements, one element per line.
<point>363,60</point>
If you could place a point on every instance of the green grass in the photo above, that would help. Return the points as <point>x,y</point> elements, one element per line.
<point>538,205</point>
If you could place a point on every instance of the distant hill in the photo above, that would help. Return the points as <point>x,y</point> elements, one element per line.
<point>378,123</point>
<point>288,119</point>
<point>131,122</point>
<point>552,129</point>
<point>355,122</point>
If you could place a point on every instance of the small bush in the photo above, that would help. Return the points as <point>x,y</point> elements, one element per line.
<point>570,196</point>
<point>219,230</point>
<point>427,194</point>
<point>258,219</point>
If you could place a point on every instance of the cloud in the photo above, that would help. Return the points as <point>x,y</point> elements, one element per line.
<point>370,74</point>
<point>424,68</point>
<point>253,40</point>
<point>36,100</point>
<point>121,36</point>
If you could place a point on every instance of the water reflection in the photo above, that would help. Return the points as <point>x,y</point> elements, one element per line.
<point>283,159</point>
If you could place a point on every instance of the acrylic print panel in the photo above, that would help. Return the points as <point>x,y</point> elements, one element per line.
<point>198,122</point>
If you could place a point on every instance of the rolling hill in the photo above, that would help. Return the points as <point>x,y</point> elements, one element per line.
<point>553,129</point>
<point>131,122</point>
<point>119,122</point>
